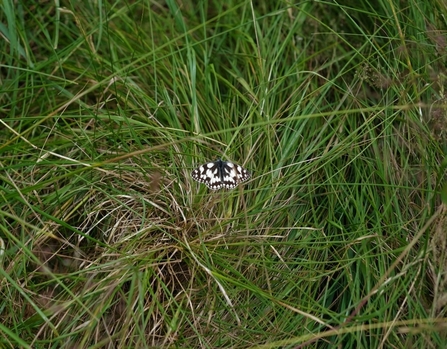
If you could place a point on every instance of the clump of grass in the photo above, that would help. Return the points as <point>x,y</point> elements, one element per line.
<point>105,240</point>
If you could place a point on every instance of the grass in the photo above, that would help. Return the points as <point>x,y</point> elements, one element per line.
<point>337,110</point>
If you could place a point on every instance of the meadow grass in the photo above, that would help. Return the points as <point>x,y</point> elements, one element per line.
<point>336,108</point>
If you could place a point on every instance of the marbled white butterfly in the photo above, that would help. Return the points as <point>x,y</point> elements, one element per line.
<point>220,174</point>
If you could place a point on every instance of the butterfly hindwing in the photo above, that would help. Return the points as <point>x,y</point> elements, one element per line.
<point>220,174</point>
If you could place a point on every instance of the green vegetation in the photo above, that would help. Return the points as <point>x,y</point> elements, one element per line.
<point>337,109</point>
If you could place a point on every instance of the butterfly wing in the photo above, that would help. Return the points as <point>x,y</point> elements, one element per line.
<point>209,175</point>
<point>233,174</point>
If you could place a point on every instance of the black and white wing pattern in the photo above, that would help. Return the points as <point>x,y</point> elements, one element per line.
<point>220,174</point>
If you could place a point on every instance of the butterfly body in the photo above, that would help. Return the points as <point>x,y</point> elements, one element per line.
<point>220,174</point>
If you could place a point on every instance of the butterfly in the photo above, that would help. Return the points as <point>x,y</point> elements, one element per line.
<point>220,174</point>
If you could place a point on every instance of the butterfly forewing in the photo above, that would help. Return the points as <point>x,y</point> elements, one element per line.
<point>220,174</point>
